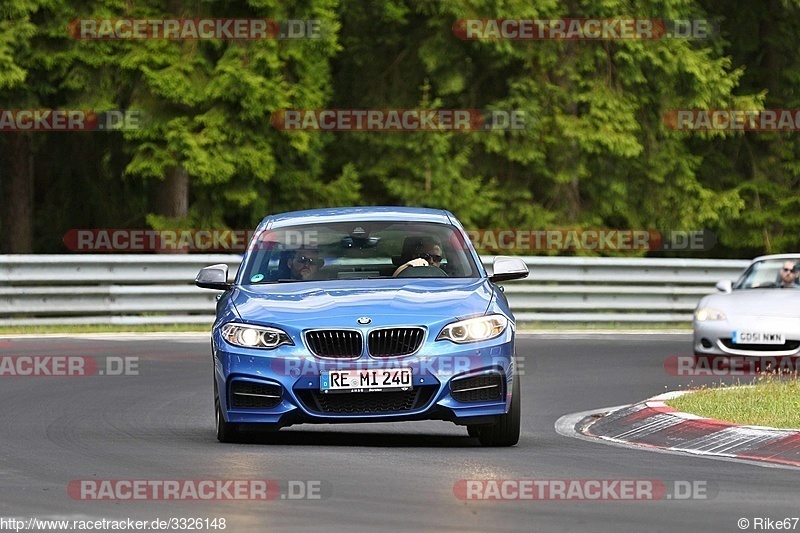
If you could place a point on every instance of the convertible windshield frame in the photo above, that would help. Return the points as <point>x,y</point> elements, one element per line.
<point>764,274</point>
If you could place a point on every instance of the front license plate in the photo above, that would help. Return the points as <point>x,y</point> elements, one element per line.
<point>758,337</point>
<point>377,380</point>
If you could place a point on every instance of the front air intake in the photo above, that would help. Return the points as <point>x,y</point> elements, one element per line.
<point>248,395</point>
<point>395,342</point>
<point>485,388</point>
<point>334,343</point>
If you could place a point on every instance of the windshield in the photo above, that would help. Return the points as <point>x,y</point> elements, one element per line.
<point>358,250</point>
<point>770,274</point>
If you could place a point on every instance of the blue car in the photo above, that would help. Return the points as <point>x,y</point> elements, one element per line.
<point>364,314</point>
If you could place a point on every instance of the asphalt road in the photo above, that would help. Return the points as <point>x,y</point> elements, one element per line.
<point>158,425</point>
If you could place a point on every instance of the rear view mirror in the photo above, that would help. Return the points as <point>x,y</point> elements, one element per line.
<point>213,277</point>
<point>508,268</point>
<point>725,285</point>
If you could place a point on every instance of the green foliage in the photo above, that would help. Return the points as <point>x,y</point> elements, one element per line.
<point>595,150</point>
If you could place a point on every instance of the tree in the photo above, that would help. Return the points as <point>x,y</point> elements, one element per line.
<point>16,158</point>
<point>595,152</point>
<point>764,38</point>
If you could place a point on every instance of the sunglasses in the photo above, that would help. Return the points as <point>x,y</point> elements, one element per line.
<point>431,258</point>
<point>787,269</point>
<point>313,261</point>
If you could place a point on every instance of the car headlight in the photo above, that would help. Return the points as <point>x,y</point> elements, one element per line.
<point>705,314</point>
<point>474,329</point>
<point>248,336</point>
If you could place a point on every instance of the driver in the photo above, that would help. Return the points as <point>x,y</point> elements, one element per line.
<point>427,253</point>
<point>304,264</point>
<point>789,275</point>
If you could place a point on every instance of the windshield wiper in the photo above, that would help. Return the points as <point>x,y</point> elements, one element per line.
<point>273,282</point>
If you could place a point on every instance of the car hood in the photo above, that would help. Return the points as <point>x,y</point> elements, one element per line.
<point>385,301</point>
<point>757,302</point>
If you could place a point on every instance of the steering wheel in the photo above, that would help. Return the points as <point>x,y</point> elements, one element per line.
<point>422,272</point>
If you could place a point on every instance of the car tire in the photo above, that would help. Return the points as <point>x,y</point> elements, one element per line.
<point>226,432</point>
<point>473,431</point>
<point>505,432</point>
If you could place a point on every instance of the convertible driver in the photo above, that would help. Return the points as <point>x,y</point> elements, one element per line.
<point>789,275</point>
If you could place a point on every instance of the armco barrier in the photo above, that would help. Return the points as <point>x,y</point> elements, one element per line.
<point>158,289</point>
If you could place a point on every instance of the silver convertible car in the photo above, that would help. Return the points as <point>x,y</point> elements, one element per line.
<point>758,315</point>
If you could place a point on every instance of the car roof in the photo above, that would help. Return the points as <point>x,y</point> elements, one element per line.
<point>349,214</point>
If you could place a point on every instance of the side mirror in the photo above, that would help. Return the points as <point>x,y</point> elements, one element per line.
<point>725,286</point>
<point>213,277</point>
<point>508,268</point>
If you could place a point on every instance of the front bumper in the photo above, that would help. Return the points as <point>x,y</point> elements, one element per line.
<point>715,337</point>
<point>297,373</point>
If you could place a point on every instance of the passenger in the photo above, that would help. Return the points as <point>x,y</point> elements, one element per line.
<point>427,253</point>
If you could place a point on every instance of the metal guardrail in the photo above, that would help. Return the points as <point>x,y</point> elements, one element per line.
<point>158,289</point>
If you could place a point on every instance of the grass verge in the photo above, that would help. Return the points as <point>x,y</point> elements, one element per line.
<point>772,401</point>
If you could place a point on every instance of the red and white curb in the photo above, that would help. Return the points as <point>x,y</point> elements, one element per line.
<point>653,424</point>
